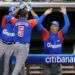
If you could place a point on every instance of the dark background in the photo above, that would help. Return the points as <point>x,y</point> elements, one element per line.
<point>36,42</point>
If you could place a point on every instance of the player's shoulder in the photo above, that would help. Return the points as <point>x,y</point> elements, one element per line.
<point>61,32</point>
<point>7,16</point>
<point>31,20</point>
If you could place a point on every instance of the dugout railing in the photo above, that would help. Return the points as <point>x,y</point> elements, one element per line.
<point>40,4</point>
<point>41,0</point>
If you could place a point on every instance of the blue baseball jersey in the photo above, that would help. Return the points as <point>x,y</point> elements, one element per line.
<point>8,23</point>
<point>0,31</point>
<point>53,42</point>
<point>23,30</point>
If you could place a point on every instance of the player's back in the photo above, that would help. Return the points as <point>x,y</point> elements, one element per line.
<point>22,31</point>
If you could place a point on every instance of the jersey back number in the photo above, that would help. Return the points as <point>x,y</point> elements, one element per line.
<point>21,31</point>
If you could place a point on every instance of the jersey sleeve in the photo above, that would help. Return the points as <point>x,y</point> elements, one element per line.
<point>61,35</point>
<point>40,27</point>
<point>13,20</point>
<point>66,24</point>
<point>41,19</point>
<point>45,34</point>
<point>36,17</point>
<point>32,22</point>
<point>4,22</point>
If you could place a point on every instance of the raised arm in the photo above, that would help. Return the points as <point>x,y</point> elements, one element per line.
<point>40,27</point>
<point>16,11</point>
<point>66,20</point>
<point>35,16</point>
<point>22,5</point>
<point>48,11</point>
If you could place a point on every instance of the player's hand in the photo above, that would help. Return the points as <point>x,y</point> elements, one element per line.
<point>63,10</point>
<point>48,11</point>
<point>22,5</point>
<point>29,7</point>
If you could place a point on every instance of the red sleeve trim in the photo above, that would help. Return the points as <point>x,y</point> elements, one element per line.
<point>61,36</point>
<point>45,34</point>
<point>32,22</point>
<point>13,20</point>
<point>4,22</point>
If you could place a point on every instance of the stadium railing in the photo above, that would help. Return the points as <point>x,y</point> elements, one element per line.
<point>40,4</point>
<point>44,0</point>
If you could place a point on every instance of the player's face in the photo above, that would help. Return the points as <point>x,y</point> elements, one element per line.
<point>54,28</point>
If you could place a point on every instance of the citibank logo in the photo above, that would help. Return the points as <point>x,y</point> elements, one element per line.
<point>48,60</point>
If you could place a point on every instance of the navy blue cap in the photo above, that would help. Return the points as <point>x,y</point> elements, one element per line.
<point>55,23</point>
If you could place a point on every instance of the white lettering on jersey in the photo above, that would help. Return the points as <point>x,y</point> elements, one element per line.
<point>49,45</point>
<point>5,32</point>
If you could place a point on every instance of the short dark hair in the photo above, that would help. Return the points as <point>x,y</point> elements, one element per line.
<point>23,12</point>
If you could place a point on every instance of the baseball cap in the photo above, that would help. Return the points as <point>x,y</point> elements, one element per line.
<point>55,23</point>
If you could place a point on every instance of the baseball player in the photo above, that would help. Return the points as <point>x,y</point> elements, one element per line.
<point>7,35</point>
<point>53,39</point>
<point>22,38</point>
